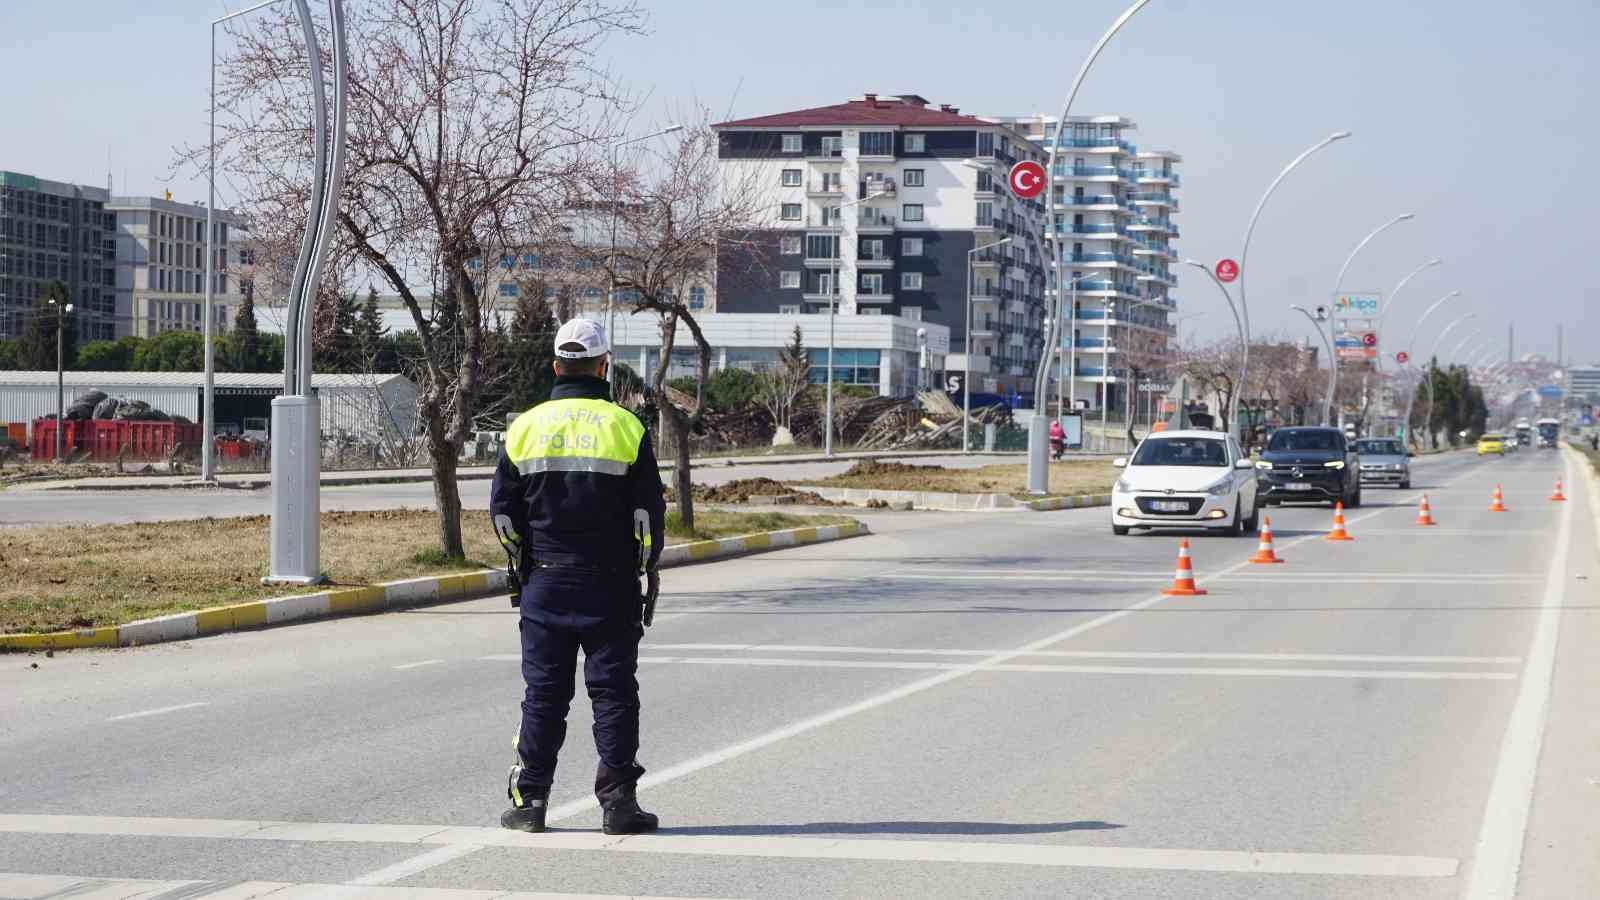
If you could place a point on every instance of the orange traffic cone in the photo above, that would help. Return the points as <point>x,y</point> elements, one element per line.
<point>1264,553</point>
<point>1499,504</point>
<point>1424,513</point>
<point>1183,581</point>
<point>1558,496</point>
<point>1338,533</point>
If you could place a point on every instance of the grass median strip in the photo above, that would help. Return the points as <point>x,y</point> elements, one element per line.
<point>75,577</point>
<point>1067,478</point>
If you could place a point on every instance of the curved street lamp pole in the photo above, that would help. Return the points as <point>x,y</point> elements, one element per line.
<point>1316,326</point>
<point>1338,285</point>
<point>1244,340</point>
<point>1038,428</point>
<point>966,377</point>
<point>1427,373</point>
<point>1244,254</point>
<point>1474,333</point>
<point>833,306</point>
<point>1389,306</point>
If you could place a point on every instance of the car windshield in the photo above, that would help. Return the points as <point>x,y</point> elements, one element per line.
<point>1380,448</point>
<point>1318,439</point>
<point>1493,437</point>
<point>1182,451</point>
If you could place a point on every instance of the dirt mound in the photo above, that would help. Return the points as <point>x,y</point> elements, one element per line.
<point>741,490</point>
<point>875,467</point>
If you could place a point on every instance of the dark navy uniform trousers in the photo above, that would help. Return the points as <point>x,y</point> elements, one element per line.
<point>560,620</point>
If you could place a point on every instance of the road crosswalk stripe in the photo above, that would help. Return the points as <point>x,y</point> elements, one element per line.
<point>1257,862</point>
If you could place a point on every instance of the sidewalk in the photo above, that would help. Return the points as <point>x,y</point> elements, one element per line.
<point>257,480</point>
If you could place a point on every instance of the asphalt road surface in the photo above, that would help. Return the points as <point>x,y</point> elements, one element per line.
<point>40,506</point>
<point>973,705</point>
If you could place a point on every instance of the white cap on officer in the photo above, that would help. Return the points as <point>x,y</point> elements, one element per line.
<point>584,333</point>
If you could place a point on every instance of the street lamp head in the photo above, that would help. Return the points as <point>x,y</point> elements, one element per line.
<point>1338,135</point>
<point>671,128</point>
<point>1405,217</point>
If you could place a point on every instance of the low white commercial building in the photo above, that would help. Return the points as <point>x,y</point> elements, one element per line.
<point>360,407</point>
<point>893,354</point>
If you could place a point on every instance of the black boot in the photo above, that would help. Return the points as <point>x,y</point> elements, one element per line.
<point>623,815</point>
<point>528,805</point>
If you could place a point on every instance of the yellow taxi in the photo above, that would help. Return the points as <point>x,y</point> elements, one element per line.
<point>1492,443</point>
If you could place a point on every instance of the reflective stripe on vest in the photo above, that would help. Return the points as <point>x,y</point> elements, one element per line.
<point>574,435</point>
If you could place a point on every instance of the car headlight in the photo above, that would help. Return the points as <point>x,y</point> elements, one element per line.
<point>1221,488</point>
<point>1263,465</point>
<point>1123,486</point>
<point>1399,467</point>
<point>1335,464</point>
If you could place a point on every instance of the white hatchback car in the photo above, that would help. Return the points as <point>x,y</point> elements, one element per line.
<point>1186,479</point>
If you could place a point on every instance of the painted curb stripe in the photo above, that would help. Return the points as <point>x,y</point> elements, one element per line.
<point>378,597</point>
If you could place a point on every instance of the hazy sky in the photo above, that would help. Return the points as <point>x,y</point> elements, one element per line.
<point>1477,117</point>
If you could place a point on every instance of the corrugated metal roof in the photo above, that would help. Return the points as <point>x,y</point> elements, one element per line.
<point>876,111</point>
<point>188,379</point>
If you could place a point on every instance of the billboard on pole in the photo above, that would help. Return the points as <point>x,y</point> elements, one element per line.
<point>1357,304</point>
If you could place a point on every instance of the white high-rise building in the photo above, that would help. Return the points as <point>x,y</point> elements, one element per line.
<point>1114,207</point>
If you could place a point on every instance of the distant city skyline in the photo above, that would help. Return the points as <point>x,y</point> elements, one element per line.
<point>1471,118</point>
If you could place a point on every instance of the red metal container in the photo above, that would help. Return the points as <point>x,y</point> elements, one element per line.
<point>105,438</point>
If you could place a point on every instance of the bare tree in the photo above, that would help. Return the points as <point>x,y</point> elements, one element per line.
<point>682,210</point>
<point>780,389</point>
<point>467,117</point>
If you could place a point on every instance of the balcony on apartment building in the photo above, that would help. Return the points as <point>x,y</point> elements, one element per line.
<point>1097,142</point>
<point>1157,177</point>
<point>1154,198</point>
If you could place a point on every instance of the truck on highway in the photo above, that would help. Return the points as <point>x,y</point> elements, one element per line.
<point>1549,432</point>
<point>1524,431</point>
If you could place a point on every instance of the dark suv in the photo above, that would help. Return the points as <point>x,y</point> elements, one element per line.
<point>1305,463</point>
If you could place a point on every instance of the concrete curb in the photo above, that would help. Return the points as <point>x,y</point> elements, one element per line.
<point>1081,501</point>
<point>382,597</point>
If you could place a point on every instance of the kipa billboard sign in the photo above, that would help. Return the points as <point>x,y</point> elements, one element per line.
<point>1357,305</point>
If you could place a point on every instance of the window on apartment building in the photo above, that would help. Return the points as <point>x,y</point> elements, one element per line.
<point>872,249</point>
<point>788,309</point>
<point>872,283</point>
<point>791,177</point>
<point>985,214</point>
<point>788,280</point>
<point>916,143</point>
<point>530,260</point>
<point>910,281</point>
<point>791,143</point>
<point>911,313</point>
<point>911,246</point>
<point>822,246</point>
<point>914,178</point>
<point>877,143</point>
<point>985,181</point>
<point>911,212</point>
<point>790,212</point>
<point>508,289</point>
<point>789,244</point>
<point>832,146</point>
<point>985,143</point>
<point>697,298</point>
<point>869,311</point>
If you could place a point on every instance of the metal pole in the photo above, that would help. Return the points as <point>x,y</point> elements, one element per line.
<point>207,421</point>
<point>1244,254</point>
<point>616,200</point>
<point>833,305</point>
<point>1411,399</point>
<point>1428,419</point>
<point>1338,285</point>
<point>61,390</point>
<point>1389,304</point>
<point>966,377</point>
<point>1038,430</point>
<point>1317,327</point>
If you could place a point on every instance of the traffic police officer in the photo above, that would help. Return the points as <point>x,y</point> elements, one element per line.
<point>575,489</point>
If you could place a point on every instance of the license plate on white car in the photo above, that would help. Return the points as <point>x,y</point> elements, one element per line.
<point>1298,486</point>
<point>1169,505</point>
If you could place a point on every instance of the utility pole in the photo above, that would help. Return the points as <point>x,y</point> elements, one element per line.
<point>62,309</point>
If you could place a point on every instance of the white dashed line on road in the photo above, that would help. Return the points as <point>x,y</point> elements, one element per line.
<point>777,662</point>
<point>419,664</point>
<point>1095,654</point>
<point>154,712</point>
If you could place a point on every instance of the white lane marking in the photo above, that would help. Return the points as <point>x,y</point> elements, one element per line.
<point>44,887</point>
<point>966,852</point>
<point>1079,670</point>
<point>1498,856</point>
<point>406,868</point>
<point>1093,654</point>
<point>154,712</point>
<point>419,664</point>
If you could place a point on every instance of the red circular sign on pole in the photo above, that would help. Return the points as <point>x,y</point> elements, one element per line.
<point>1027,179</point>
<point>1227,270</point>
<point>1369,340</point>
<point>1402,357</point>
